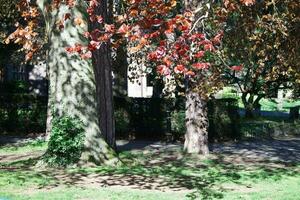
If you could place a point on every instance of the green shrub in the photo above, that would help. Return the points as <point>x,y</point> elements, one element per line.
<point>223,120</point>
<point>66,141</point>
<point>22,113</point>
<point>14,87</point>
<point>178,123</point>
<point>122,121</point>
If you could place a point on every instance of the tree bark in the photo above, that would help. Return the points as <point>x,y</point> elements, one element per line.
<point>252,107</point>
<point>103,73</point>
<point>72,89</point>
<point>196,137</point>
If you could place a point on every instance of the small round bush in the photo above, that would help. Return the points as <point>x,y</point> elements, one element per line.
<point>66,141</point>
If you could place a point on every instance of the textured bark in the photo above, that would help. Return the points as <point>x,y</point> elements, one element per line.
<point>72,89</point>
<point>103,74</point>
<point>196,137</point>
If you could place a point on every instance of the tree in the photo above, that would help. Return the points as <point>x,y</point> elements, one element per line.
<point>178,52</point>
<point>184,58</point>
<point>72,89</point>
<point>262,43</point>
<point>102,63</point>
<point>8,16</point>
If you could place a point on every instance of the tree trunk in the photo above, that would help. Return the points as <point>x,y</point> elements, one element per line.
<point>72,89</point>
<point>252,107</point>
<point>196,137</point>
<point>294,113</point>
<point>103,72</point>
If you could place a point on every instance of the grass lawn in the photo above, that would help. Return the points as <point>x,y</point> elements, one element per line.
<point>158,174</point>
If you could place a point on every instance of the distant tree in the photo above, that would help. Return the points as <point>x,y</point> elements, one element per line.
<point>262,43</point>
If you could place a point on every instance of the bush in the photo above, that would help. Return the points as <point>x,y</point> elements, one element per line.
<point>66,142</point>
<point>223,120</point>
<point>122,121</point>
<point>269,129</point>
<point>13,87</point>
<point>178,123</point>
<point>23,113</point>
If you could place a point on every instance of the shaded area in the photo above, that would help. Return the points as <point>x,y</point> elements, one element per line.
<point>164,167</point>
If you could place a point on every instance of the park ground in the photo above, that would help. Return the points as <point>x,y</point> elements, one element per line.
<point>257,169</point>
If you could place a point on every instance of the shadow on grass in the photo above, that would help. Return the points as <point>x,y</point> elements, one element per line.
<point>167,170</point>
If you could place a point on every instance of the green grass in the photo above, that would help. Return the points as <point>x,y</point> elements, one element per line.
<point>102,193</point>
<point>153,174</point>
<point>36,145</point>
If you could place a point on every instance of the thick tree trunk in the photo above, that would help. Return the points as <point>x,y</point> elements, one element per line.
<point>252,107</point>
<point>196,137</point>
<point>72,89</point>
<point>103,72</point>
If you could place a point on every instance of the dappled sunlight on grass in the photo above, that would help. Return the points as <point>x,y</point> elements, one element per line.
<point>163,169</point>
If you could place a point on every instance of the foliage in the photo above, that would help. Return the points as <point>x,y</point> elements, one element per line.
<point>178,123</point>
<point>13,87</point>
<point>122,119</point>
<point>266,129</point>
<point>23,113</point>
<point>177,49</point>
<point>8,16</point>
<point>66,141</point>
<point>262,42</point>
<point>223,120</point>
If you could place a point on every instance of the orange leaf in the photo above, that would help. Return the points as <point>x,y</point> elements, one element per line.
<point>78,21</point>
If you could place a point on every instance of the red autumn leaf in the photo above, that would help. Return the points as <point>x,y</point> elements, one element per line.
<point>156,22</point>
<point>86,34</point>
<point>110,28</point>
<point>100,19</point>
<point>167,61</point>
<point>152,56</point>
<point>93,45</point>
<point>78,48</point>
<point>161,52</point>
<point>217,39</point>
<point>160,69</point>
<point>200,54</point>
<point>190,73</point>
<point>133,13</point>
<point>162,43</point>
<point>69,49</point>
<point>208,47</point>
<point>124,29</point>
<point>86,55</point>
<point>237,67</point>
<point>179,69</point>
<point>201,65</point>
<point>29,56</point>
<point>247,2</point>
